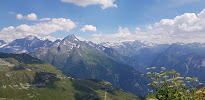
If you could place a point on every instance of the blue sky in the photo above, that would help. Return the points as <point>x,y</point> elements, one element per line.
<point>111,22</point>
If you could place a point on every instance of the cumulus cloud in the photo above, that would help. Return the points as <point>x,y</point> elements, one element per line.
<point>19,16</point>
<point>184,28</point>
<point>189,27</point>
<point>88,28</point>
<point>105,3</point>
<point>123,34</point>
<point>43,28</point>
<point>31,16</point>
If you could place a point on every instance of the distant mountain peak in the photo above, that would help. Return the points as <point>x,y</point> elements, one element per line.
<point>71,37</point>
<point>31,37</point>
<point>2,42</point>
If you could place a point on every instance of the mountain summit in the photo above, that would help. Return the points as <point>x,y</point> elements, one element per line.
<point>87,60</point>
<point>71,38</point>
<point>31,37</point>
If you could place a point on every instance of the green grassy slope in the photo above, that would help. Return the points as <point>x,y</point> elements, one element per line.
<point>24,77</point>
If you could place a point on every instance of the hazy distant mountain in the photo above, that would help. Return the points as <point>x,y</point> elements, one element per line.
<point>27,78</point>
<point>2,42</point>
<point>138,54</point>
<point>87,60</point>
<point>25,45</point>
<point>187,59</point>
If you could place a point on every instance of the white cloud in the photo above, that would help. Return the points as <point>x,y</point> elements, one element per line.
<point>19,16</point>
<point>45,19</point>
<point>149,27</point>
<point>202,14</point>
<point>10,12</point>
<point>31,16</point>
<point>189,27</point>
<point>49,38</point>
<point>81,39</point>
<point>138,29</point>
<point>88,28</point>
<point>123,34</point>
<point>105,3</point>
<point>43,28</point>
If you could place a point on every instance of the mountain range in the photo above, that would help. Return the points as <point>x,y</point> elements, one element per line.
<point>25,45</point>
<point>121,64</point>
<point>187,59</point>
<point>86,60</point>
<point>83,59</point>
<point>138,54</point>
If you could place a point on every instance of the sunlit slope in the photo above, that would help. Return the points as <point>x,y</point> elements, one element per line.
<point>40,81</point>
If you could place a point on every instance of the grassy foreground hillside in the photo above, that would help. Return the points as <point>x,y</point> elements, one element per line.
<point>23,77</point>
